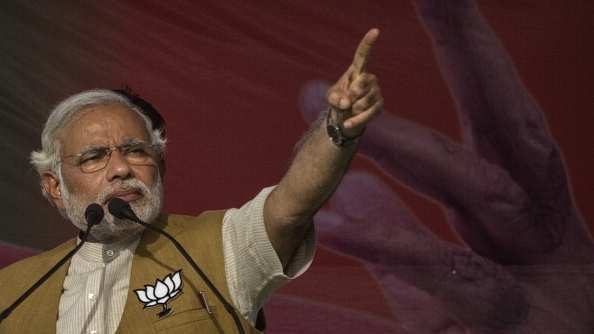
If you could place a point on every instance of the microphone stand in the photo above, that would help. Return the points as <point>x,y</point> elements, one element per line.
<point>93,217</point>
<point>122,209</point>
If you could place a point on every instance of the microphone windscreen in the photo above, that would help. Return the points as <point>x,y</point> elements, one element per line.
<point>94,214</point>
<point>118,207</point>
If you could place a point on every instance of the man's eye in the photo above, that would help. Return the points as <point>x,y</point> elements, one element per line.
<point>90,158</point>
<point>136,150</point>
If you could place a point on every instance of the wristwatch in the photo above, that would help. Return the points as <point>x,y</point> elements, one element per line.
<point>335,134</point>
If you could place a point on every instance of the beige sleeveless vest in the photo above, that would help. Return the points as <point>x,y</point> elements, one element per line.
<point>156,258</point>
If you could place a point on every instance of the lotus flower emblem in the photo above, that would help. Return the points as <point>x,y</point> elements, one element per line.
<point>161,293</point>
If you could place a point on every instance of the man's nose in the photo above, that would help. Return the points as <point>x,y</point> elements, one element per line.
<point>117,166</point>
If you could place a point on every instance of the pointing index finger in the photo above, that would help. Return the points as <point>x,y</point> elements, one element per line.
<point>364,50</point>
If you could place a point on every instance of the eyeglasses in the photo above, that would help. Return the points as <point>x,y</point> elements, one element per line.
<point>92,159</point>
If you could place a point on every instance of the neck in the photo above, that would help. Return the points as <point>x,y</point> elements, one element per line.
<point>109,238</point>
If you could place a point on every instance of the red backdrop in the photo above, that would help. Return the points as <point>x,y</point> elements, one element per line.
<point>228,76</point>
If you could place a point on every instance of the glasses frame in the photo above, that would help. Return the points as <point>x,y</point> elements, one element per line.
<point>149,149</point>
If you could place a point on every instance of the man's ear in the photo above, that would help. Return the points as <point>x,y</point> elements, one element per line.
<point>51,184</point>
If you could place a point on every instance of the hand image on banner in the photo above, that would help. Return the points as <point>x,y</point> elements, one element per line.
<point>527,265</point>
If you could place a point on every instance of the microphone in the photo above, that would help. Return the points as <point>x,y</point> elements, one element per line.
<point>122,210</point>
<point>93,215</point>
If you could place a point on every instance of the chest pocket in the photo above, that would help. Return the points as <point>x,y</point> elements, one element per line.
<point>194,320</point>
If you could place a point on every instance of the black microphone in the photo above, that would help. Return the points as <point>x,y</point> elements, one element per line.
<point>93,215</point>
<point>122,210</point>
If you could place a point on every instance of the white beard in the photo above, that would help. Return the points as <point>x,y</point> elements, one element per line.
<point>112,229</point>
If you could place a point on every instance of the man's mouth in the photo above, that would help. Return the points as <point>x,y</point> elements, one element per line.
<point>129,195</point>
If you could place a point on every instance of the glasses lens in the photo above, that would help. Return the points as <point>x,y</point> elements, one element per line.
<point>93,160</point>
<point>137,153</point>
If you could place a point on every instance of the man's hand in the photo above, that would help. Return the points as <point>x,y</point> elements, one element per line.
<point>356,97</point>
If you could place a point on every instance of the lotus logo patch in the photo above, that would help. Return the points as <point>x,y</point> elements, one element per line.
<point>161,293</point>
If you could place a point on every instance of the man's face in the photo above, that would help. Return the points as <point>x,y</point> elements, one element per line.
<point>139,184</point>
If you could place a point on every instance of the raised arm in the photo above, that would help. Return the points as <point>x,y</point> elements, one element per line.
<point>318,163</point>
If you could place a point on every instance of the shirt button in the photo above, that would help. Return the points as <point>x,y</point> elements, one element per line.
<point>110,253</point>
<point>92,296</point>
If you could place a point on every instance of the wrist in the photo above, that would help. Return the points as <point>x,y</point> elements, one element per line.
<point>336,134</point>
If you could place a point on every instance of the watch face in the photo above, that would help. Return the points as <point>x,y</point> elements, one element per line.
<point>333,132</point>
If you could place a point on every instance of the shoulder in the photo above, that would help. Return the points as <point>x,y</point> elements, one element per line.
<point>205,227</point>
<point>38,263</point>
<point>174,222</point>
<point>21,275</point>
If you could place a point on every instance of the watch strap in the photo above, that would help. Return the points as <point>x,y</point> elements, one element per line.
<point>335,134</point>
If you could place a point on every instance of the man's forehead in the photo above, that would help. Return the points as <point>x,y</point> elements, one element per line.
<point>95,125</point>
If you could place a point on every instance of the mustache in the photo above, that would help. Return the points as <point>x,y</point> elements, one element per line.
<point>132,184</point>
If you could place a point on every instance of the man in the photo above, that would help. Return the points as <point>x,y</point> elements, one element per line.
<point>100,145</point>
